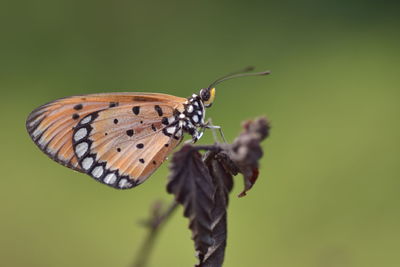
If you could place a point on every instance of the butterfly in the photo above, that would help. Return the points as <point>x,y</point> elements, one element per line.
<point>120,139</point>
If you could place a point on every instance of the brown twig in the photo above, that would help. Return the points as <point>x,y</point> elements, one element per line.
<point>154,224</point>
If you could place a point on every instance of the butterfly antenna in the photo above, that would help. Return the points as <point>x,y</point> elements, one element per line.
<point>241,73</point>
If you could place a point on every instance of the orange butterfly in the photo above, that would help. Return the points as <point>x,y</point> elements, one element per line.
<point>119,139</point>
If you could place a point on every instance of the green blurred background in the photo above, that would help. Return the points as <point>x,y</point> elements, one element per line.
<point>328,194</point>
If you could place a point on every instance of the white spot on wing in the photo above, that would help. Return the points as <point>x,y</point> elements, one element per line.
<point>190,125</point>
<point>98,171</point>
<point>51,150</point>
<point>190,108</point>
<point>179,133</point>
<point>80,134</point>
<point>195,118</point>
<point>182,116</point>
<point>171,120</point>
<point>110,178</point>
<point>87,163</point>
<point>36,133</point>
<point>86,120</point>
<point>196,104</point>
<point>123,183</point>
<point>171,130</point>
<point>42,141</point>
<point>182,123</point>
<point>81,149</point>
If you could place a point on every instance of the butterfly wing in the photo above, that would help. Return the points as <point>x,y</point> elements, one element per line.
<point>122,147</point>
<point>108,120</point>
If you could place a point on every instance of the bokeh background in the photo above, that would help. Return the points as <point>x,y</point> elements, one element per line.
<point>328,194</point>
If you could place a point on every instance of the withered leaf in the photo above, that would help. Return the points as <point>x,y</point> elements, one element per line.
<point>223,182</point>
<point>245,151</point>
<point>192,185</point>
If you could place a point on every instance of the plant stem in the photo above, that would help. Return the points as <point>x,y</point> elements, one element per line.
<point>154,224</point>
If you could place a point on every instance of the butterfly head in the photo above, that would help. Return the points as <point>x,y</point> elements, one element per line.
<point>207,95</point>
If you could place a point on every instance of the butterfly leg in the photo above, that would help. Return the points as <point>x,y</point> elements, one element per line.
<point>196,135</point>
<point>209,125</point>
<point>194,138</point>
<point>199,135</point>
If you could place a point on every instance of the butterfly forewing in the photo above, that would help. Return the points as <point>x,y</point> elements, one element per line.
<point>117,139</point>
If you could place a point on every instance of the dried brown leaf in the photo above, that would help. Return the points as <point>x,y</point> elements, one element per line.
<point>192,185</point>
<point>223,182</point>
<point>246,151</point>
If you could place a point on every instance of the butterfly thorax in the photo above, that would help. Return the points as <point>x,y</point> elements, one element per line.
<point>187,120</point>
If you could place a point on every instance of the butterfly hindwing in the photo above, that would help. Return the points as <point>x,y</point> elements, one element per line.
<point>122,147</point>
<point>52,126</point>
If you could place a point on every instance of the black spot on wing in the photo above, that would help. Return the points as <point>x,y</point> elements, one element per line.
<point>140,146</point>
<point>136,110</point>
<point>158,110</point>
<point>164,121</point>
<point>113,104</point>
<point>78,107</point>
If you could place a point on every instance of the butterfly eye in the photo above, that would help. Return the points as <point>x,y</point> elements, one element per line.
<point>207,95</point>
